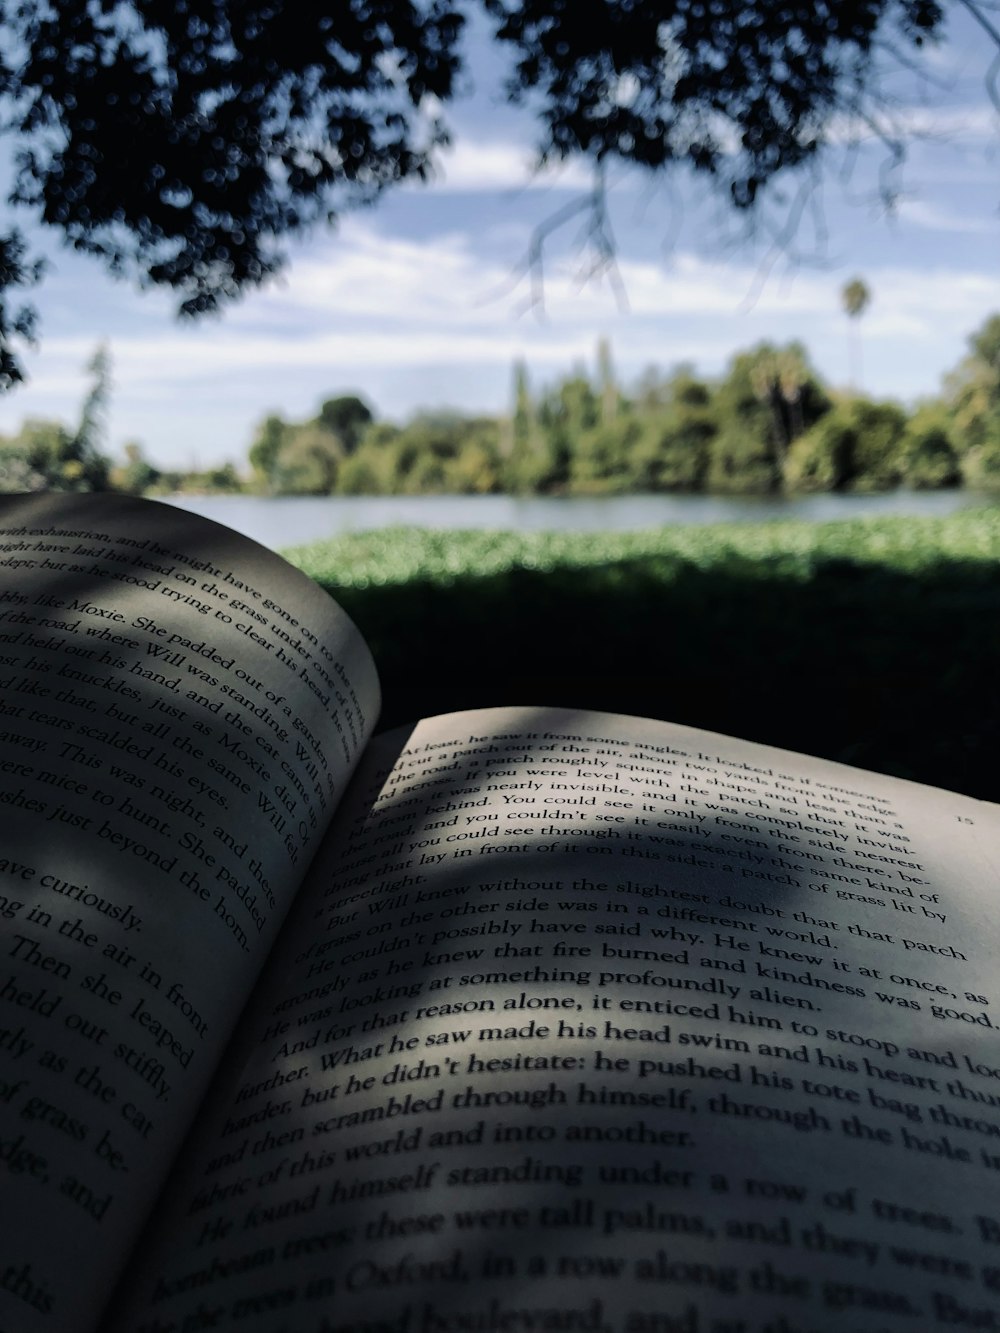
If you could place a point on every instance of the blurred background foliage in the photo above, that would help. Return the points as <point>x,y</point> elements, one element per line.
<point>768,425</point>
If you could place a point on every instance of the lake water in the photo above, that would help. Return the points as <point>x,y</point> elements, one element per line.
<point>293,520</point>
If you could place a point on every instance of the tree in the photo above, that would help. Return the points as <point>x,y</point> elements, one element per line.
<point>88,465</point>
<point>678,425</point>
<point>347,417</point>
<point>45,455</point>
<point>607,387</point>
<point>308,462</point>
<point>18,322</point>
<point>136,475</point>
<point>855,298</point>
<point>779,377</point>
<point>371,469</point>
<point>33,459</point>
<point>266,448</point>
<point>857,446</point>
<point>180,143</point>
<point>521,443</point>
<point>768,397</point>
<point>183,143</point>
<point>973,396</point>
<point>928,454</point>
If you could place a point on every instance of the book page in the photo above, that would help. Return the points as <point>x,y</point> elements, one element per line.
<point>179,714</point>
<point>590,1023</point>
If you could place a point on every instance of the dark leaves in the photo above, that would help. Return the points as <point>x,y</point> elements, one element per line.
<point>740,89</point>
<point>182,141</point>
<point>17,322</point>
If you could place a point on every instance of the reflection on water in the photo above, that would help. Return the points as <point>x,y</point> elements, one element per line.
<point>292,520</point>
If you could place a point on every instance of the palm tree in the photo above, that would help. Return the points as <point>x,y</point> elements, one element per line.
<point>606,380</point>
<point>856,298</point>
<point>778,377</point>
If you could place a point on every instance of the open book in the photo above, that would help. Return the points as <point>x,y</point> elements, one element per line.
<point>515,1020</point>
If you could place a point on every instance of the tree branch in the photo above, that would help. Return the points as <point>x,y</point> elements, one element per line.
<point>994,33</point>
<point>597,235</point>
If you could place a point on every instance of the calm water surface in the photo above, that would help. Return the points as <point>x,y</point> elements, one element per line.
<point>293,520</point>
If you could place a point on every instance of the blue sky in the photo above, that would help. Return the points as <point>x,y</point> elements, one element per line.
<point>417,303</point>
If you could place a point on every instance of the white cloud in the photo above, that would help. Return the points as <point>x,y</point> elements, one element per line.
<point>934,218</point>
<point>480,165</point>
<point>384,301</point>
<point>363,296</point>
<point>363,273</point>
<point>944,124</point>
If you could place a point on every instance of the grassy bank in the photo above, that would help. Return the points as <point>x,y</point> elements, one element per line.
<point>875,642</point>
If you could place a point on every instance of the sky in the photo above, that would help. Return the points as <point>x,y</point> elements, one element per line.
<point>422,302</point>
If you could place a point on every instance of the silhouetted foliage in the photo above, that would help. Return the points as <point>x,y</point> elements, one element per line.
<point>182,142</point>
<point>741,91</point>
<point>16,322</point>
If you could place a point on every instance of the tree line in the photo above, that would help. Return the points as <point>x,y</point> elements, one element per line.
<point>768,425</point>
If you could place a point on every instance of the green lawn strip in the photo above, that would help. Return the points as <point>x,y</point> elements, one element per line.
<point>875,642</point>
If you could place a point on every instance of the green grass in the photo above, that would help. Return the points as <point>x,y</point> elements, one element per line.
<point>875,642</point>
